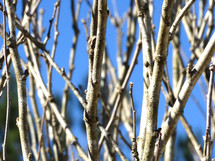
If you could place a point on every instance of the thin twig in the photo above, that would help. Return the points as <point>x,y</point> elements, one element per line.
<point>121,90</point>
<point>174,114</point>
<point>67,80</point>
<point>33,135</point>
<point>37,118</point>
<point>123,139</point>
<point>21,84</point>
<point>197,147</point>
<point>56,6</point>
<point>72,139</point>
<point>85,23</point>
<point>4,145</point>
<point>3,79</point>
<point>56,12</point>
<point>41,128</point>
<point>38,44</point>
<point>114,144</point>
<point>179,17</point>
<point>65,96</point>
<point>207,144</point>
<point>134,141</point>
<point>158,144</point>
<point>48,141</point>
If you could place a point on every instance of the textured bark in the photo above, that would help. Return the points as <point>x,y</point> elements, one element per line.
<point>21,84</point>
<point>144,21</point>
<point>155,83</point>
<point>90,114</point>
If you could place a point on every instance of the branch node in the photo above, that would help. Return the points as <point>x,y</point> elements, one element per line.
<point>119,89</point>
<point>17,122</point>
<point>63,71</point>
<point>25,74</point>
<point>211,68</point>
<point>134,149</point>
<point>51,98</point>
<point>190,71</point>
<point>11,42</point>
<point>91,44</point>
<point>146,63</point>
<point>74,142</point>
<point>30,157</point>
<point>160,57</point>
<point>88,119</point>
<point>99,94</point>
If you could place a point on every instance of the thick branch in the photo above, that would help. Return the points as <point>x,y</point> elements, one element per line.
<point>94,91</point>
<point>155,84</point>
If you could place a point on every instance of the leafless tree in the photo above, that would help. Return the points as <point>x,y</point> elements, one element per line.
<point>49,136</point>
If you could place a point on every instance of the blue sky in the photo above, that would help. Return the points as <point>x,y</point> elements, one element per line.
<point>191,112</point>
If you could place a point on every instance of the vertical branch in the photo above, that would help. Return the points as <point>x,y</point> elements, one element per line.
<point>121,89</point>
<point>158,144</point>
<point>177,66</point>
<point>75,16</point>
<point>21,84</point>
<point>207,144</point>
<point>90,115</point>
<point>56,9</point>
<point>32,131</point>
<point>144,21</point>
<point>8,86</point>
<point>41,129</point>
<point>31,52</point>
<point>210,21</point>
<point>37,117</point>
<point>55,137</point>
<point>130,31</point>
<point>155,83</point>
<point>134,141</point>
<point>170,148</point>
<point>91,44</point>
<point>56,12</point>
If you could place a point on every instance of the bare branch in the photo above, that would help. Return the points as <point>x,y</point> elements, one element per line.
<point>179,17</point>
<point>93,90</point>
<point>174,114</point>
<point>192,137</point>
<point>21,84</point>
<point>207,143</point>
<point>114,144</point>
<point>155,83</point>
<point>134,141</point>
<point>4,145</point>
<point>120,92</point>
<point>71,137</point>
